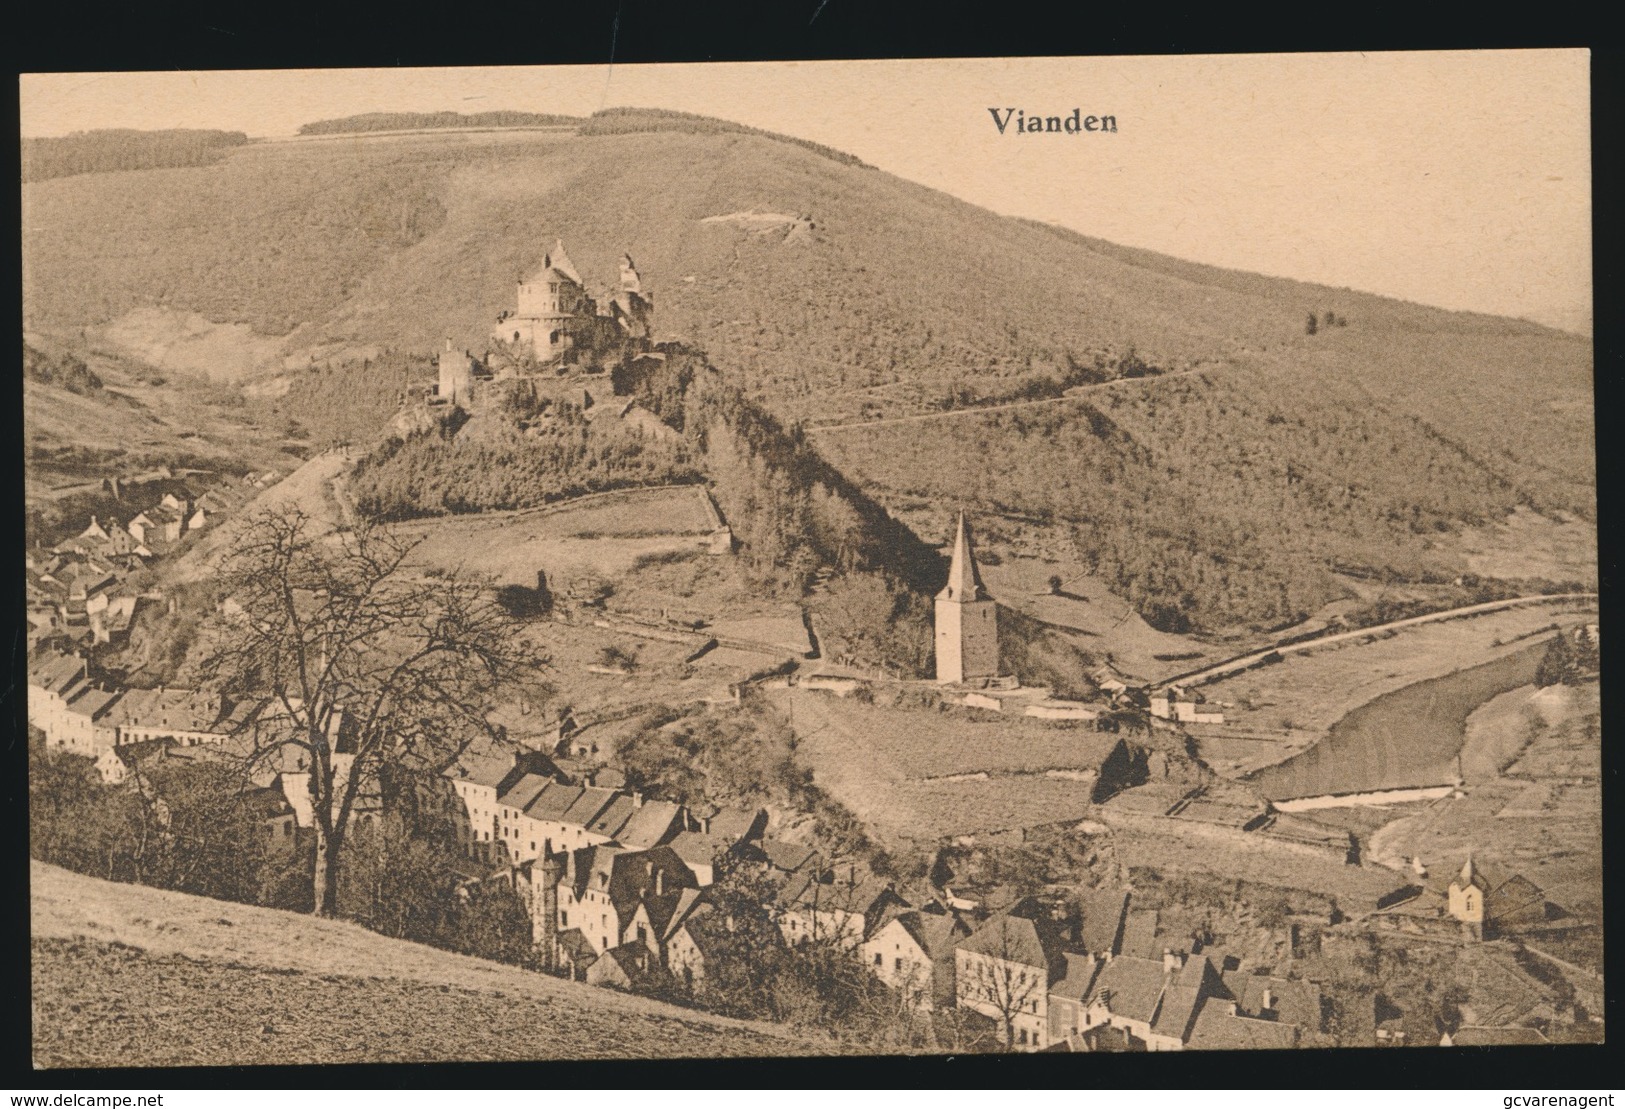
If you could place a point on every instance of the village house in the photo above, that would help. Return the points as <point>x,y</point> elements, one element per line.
<point>1155,1002</point>
<point>600,889</point>
<point>1488,900</point>
<point>1004,971</point>
<point>630,966</point>
<point>1176,703</point>
<point>184,715</point>
<point>116,764</point>
<point>54,678</point>
<point>698,940</point>
<point>912,951</point>
<point>837,906</point>
<point>657,918</point>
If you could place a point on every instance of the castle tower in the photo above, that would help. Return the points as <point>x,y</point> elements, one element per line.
<point>552,306</point>
<point>456,375</point>
<point>967,619</point>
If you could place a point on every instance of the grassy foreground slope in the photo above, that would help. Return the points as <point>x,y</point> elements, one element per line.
<point>128,975</point>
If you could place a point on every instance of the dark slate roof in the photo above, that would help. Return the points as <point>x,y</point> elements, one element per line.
<point>1033,943</point>
<point>1104,913</point>
<point>1140,935</point>
<point>650,824</point>
<point>1131,986</point>
<point>553,802</point>
<point>696,848</point>
<point>1077,978</point>
<point>1216,1028</point>
<point>523,791</point>
<point>588,805</point>
<point>789,857</point>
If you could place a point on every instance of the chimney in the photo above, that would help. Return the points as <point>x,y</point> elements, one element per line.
<point>448,343</point>
<point>637,799</point>
<point>660,882</point>
<point>1171,960</point>
<point>1269,998</point>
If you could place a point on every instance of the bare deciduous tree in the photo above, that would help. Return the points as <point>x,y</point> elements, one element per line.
<point>365,668</point>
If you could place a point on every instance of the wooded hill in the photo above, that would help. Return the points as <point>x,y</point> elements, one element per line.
<point>1247,460</point>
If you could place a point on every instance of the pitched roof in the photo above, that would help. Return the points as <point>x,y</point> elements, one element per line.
<point>553,802</point>
<point>735,823</point>
<point>1292,1002</point>
<point>787,856</point>
<point>92,702</point>
<point>55,671</point>
<point>1175,1010</point>
<point>1078,976</point>
<point>588,805</point>
<point>556,261</point>
<point>613,817</point>
<point>964,579</point>
<point>1130,987</point>
<point>487,766</point>
<point>576,947</point>
<point>184,710</point>
<point>697,848</point>
<point>649,824</point>
<point>523,791</point>
<point>1140,934</point>
<point>1216,1028</point>
<point>1104,913</point>
<point>936,933</point>
<point>1017,939</point>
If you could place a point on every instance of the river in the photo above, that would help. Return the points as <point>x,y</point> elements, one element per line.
<point>1406,738</point>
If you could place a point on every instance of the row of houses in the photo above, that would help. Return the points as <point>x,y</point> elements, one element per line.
<point>77,590</point>
<point>617,885</point>
<point>85,717</point>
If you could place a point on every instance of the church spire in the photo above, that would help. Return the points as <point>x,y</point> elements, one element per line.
<point>964,580</point>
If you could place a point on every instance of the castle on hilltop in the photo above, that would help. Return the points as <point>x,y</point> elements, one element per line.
<point>555,315</point>
<point>555,324</point>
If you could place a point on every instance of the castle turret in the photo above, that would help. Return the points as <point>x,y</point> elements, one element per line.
<point>552,306</point>
<point>456,375</point>
<point>966,619</point>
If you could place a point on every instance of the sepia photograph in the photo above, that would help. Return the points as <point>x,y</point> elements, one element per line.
<point>928,557</point>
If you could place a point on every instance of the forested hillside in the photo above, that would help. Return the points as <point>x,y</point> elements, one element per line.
<point>1213,454</point>
<point>104,151</point>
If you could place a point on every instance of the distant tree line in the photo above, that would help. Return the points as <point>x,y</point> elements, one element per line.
<point>423,121</point>
<point>121,149</point>
<point>621,121</point>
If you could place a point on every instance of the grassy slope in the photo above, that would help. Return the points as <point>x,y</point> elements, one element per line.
<point>127,974</point>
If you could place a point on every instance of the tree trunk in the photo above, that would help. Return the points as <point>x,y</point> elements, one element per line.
<point>324,880</point>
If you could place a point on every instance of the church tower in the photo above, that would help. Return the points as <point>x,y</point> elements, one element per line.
<point>967,619</point>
